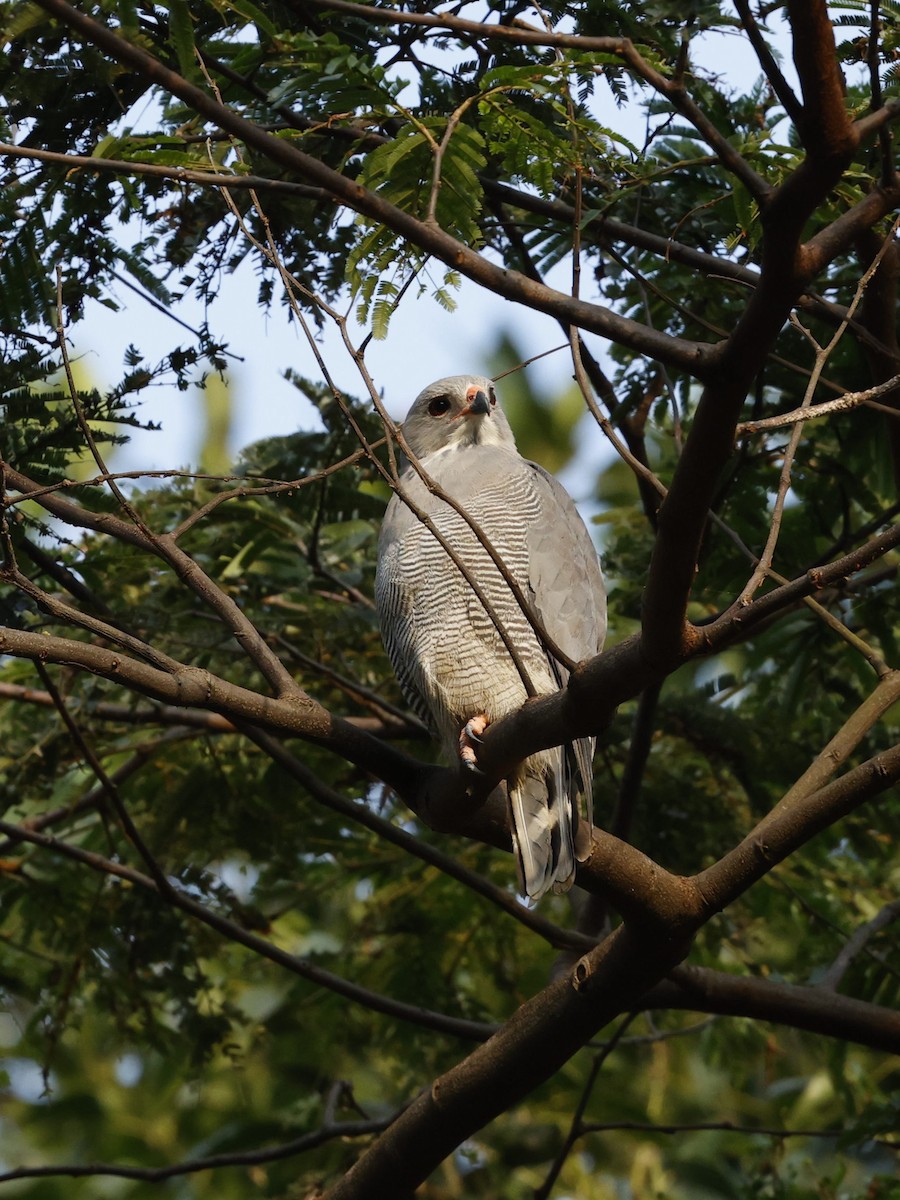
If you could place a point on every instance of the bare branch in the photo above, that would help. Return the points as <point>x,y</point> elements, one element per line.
<point>538,1038</point>
<point>187,719</point>
<point>577,1126</point>
<point>110,790</point>
<point>163,546</point>
<point>823,353</point>
<point>327,1132</point>
<point>816,1009</point>
<point>875,103</point>
<point>60,611</point>
<point>772,71</point>
<point>844,403</point>
<point>737,621</point>
<point>197,688</point>
<point>514,34</point>
<point>855,945</point>
<point>792,823</point>
<point>205,178</point>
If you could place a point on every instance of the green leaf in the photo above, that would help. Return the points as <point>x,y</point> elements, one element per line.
<point>182,33</point>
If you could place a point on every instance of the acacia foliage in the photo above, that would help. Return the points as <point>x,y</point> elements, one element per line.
<point>242,914</point>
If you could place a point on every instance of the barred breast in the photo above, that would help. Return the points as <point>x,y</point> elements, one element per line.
<point>445,648</point>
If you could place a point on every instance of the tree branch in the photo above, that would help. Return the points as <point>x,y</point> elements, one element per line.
<point>206,178</point>
<point>845,403</point>
<point>855,945</point>
<point>772,71</point>
<point>699,989</point>
<point>825,126</point>
<point>194,687</point>
<point>238,1158</point>
<point>362,815</point>
<point>792,822</point>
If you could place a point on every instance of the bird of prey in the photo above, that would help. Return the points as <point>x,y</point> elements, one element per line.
<point>444,643</point>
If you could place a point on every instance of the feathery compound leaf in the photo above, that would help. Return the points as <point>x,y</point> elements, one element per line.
<point>182,33</point>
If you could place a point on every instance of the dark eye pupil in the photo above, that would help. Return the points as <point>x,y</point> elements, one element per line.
<point>438,406</point>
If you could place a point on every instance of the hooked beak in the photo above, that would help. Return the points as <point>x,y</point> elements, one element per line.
<point>477,403</point>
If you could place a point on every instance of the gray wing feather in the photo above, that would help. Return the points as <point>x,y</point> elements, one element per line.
<point>570,600</point>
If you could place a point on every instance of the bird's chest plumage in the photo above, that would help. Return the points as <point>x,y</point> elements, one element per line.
<point>443,640</point>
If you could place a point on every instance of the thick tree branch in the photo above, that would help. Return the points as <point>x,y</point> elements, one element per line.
<point>825,126</point>
<point>193,687</point>
<point>529,1048</point>
<point>596,688</point>
<point>816,1009</point>
<point>546,1030</point>
<point>823,247</point>
<point>607,230</point>
<point>792,823</point>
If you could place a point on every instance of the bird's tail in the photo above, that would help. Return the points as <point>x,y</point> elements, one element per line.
<point>544,806</point>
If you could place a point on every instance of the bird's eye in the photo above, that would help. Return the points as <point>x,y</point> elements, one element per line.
<point>438,406</point>
<point>493,397</point>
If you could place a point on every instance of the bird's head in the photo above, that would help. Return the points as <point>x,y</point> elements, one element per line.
<point>461,410</point>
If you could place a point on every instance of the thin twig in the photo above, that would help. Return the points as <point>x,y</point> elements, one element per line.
<point>577,1128</point>
<point>875,102</point>
<point>327,1132</point>
<point>94,797</point>
<point>784,482</point>
<point>635,765</point>
<point>210,178</point>
<point>110,790</point>
<point>858,942</point>
<point>352,687</point>
<point>391,477</point>
<point>776,80</point>
<point>844,403</point>
<point>271,489</point>
<point>61,611</point>
<point>188,719</point>
<point>86,431</point>
<point>713,1127</point>
<point>438,1022</point>
<point>242,629</point>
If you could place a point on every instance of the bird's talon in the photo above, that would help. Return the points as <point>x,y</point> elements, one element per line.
<point>471,732</point>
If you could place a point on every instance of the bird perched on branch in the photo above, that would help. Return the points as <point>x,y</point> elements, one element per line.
<point>466,649</point>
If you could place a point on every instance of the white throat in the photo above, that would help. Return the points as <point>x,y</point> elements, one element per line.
<point>478,431</point>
